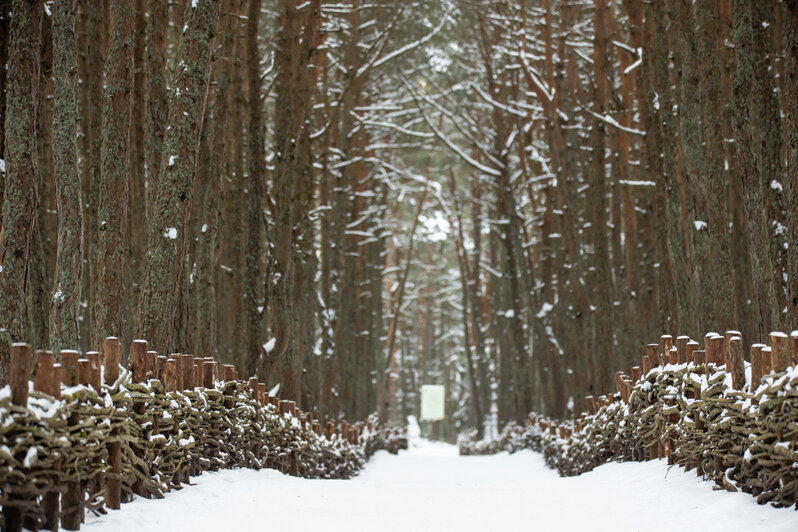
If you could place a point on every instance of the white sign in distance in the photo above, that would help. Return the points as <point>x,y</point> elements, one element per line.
<point>433,400</point>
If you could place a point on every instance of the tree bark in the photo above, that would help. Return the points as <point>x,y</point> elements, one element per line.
<point>20,198</point>
<point>167,223</point>
<point>69,262</point>
<point>112,223</point>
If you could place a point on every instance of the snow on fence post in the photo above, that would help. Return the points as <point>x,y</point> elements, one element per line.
<point>72,499</point>
<point>727,351</point>
<point>780,356</point>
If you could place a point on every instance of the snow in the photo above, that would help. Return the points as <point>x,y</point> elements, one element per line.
<point>172,159</point>
<point>170,232</point>
<point>2,166</point>
<point>430,487</point>
<point>268,346</point>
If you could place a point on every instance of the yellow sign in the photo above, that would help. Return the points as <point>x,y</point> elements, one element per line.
<point>433,400</point>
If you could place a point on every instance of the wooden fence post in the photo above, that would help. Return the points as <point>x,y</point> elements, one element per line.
<point>652,352</point>
<point>690,348</point>
<point>681,349</point>
<point>756,366</point>
<point>44,381</point>
<point>766,358</point>
<point>141,371</point>
<point>72,500</point>
<point>780,356</point>
<point>112,354</point>
<point>187,364</point>
<point>18,380</point>
<point>734,362</point>
<point>666,342</point>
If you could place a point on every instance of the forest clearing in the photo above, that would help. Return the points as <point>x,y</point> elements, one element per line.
<point>264,234</point>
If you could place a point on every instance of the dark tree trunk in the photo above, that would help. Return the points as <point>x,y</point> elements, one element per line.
<point>22,179</point>
<point>112,223</point>
<point>168,221</point>
<point>69,262</point>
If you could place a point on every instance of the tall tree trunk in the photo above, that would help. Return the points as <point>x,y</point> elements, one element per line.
<point>253,195</point>
<point>758,138</point>
<point>157,109</point>
<point>20,195</point>
<point>294,258</point>
<point>167,224</point>
<point>69,261</point>
<point>112,236</point>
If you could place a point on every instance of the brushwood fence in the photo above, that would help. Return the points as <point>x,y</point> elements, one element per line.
<point>732,421</point>
<point>87,434</point>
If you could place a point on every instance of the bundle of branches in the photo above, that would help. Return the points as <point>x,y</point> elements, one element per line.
<point>56,446</point>
<point>688,413</point>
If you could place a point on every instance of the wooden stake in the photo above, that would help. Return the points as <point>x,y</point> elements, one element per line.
<point>112,353</point>
<point>734,362</point>
<point>44,381</point>
<point>19,370</point>
<point>590,404</point>
<point>652,352</point>
<point>780,351</point>
<point>766,360</point>
<point>159,364</point>
<point>43,372</point>
<point>681,349</point>
<point>138,360</point>
<point>95,370</point>
<point>690,348</point>
<point>666,342</point>
<point>207,374</point>
<point>69,367</point>
<point>72,500</point>
<point>756,366</point>
<point>169,374</point>
<point>794,346</point>
<point>673,356</point>
<point>187,365</point>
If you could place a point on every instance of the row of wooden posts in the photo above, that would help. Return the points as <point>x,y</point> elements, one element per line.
<point>178,372</point>
<point>719,350</point>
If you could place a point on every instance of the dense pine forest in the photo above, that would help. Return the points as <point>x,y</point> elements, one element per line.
<point>352,199</point>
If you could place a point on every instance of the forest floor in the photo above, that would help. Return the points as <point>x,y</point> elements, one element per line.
<point>430,487</point>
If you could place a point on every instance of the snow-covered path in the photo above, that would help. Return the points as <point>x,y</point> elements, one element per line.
<point>431,488</point>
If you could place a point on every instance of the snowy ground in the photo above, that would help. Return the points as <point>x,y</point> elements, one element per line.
<point>429,487</point>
